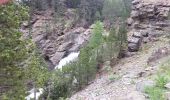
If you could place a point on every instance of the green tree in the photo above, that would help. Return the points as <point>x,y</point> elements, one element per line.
<point>16,54</point>
<point>116,10</point>
<point>96,38</point>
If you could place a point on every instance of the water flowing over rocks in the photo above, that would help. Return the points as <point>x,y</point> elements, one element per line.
<point>148,20</point>
<point>54,40</point>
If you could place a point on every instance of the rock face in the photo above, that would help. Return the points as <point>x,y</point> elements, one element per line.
<point>55,40</point>
<point>140,86</point>
<point>158,54</point>
<point>147,21</point>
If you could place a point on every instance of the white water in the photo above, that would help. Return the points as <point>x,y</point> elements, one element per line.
<point>31,96</point>
<point>71,57</point>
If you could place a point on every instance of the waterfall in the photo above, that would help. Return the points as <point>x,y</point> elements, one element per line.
<point>71,57</point>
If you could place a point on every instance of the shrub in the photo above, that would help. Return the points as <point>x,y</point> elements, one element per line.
<point>161,81</point>
<point>155,93</point>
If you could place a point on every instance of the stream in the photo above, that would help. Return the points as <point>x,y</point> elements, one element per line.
<point>70,58</point>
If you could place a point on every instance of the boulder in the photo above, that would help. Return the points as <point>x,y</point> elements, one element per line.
<point>57,57</point>
<point>137,34</point>
<point>134,2</point>
<point>134,14</point>
<point>132,47</point>
<point>65,46</point>
<point>144,33</point>
<point>145,40</point>
<point>140,86</point>
<point>38,38</point>
<point>167,95</point>
<point>167,86</point>
<point>134,40</point>
<point>129,21</point>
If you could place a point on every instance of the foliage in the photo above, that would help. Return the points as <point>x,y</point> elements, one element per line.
<point>12,49</point>
<point>17,63</point>
<point>89,8</point>
<point>155,93</point>
<point>96,38</point>
<point>76,75</point>
<point>116,10</point>
<point>161,81</point>
<point>72,3</point>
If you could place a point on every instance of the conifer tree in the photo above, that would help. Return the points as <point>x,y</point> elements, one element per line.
<point>17,64</point>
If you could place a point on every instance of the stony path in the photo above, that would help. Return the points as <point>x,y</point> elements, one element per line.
<point>130,71</point>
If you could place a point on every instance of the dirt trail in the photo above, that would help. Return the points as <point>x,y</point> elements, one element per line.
<point>130,71</point>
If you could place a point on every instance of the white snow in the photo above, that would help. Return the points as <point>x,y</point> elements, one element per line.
<point>71,57</point>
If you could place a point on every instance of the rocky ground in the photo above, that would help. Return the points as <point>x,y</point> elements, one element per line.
<point>149,28</point>
<point>131,75</point>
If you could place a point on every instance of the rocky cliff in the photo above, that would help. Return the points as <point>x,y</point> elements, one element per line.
<point>56,38</point>
<point>149,19</point>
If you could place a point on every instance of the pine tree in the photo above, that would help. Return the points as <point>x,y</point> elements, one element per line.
<point>96,38</point>
<point>17,64</point>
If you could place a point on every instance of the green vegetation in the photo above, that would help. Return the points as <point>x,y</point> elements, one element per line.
<point>115,11</point>
<point>161,81</point>
<point>77,75</point>
<point>157,92</point>
<point>19,63</point>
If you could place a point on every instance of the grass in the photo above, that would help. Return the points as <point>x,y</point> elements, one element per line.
<point>161,81</point>
<point>157,92</point>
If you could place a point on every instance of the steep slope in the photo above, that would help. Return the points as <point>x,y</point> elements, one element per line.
<point>127,74</point>
<point>149,27</point>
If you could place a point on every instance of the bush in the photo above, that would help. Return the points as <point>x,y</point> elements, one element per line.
<point>155,93</point>
<point>161,81</point>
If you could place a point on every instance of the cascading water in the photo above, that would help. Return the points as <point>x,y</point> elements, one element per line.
<point>70,58</point>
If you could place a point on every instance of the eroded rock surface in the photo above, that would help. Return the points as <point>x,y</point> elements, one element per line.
<point>55,40</point>
<point>148,20</point>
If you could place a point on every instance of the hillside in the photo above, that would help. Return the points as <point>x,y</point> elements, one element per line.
<point>85,49</point>
<point>128,79</point>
